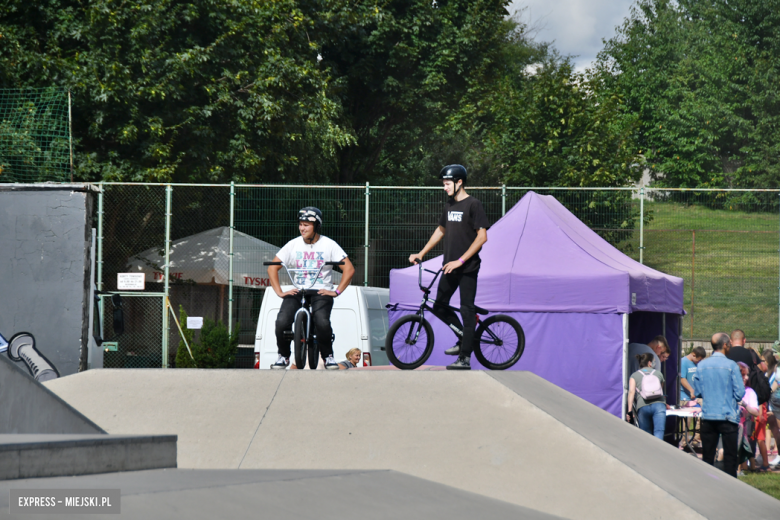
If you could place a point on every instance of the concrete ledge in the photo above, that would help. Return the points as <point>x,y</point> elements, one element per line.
<point>35,456</point>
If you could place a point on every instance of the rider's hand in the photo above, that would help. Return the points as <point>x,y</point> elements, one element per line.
<point>291,292</point>
<point>451,266</point>
<point>414,257</point>
<point>325,292</point>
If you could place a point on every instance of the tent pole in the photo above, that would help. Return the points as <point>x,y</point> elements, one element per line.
<point>624,400</point>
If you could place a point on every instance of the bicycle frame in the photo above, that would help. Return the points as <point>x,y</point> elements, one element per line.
<point>304,290</point>
<point>426,300</point>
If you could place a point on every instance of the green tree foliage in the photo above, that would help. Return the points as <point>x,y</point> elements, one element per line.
<point>556,127</point>
<point>703,78</point>
<point>208,90</point>
<point>216,349</point>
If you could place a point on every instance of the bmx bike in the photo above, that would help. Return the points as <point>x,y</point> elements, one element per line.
<point>499,339</point>
<point>303,333</point>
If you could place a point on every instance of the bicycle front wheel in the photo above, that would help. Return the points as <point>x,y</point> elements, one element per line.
<point>300,340</point>
<point>409,342</point>
<point>500,342</point>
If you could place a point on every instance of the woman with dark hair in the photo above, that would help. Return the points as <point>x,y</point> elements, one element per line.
<point>645,395</point>
<point>771,373</point>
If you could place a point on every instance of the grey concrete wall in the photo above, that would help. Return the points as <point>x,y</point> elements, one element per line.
<point>29,407</point>
<point>44,269</point>
<point>36,456</point>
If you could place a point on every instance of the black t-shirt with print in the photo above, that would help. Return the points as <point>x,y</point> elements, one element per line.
<point>461,220</point>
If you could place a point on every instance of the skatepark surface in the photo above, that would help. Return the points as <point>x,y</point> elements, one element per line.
<point>510,437</point>
<point>279,495</point>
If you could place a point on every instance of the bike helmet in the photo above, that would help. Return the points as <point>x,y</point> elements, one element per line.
<point>453,172</point>
<point>311,214</point>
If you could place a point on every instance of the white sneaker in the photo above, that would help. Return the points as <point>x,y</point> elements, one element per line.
<point>281,363</point>
<point>330,364</point>
<point>775,461</point>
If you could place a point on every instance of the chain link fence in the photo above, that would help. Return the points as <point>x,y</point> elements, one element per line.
<point>35,138</point>
<point>723,243</point>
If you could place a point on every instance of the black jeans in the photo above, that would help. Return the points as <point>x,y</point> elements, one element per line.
<point>710,431</point>
<point>468,291</point>
<point>321,306</point>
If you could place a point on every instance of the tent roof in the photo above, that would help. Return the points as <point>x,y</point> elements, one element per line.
<point>204,257</point>
<point>541,258</point>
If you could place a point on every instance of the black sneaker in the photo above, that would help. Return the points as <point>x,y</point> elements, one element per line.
<point>463,363</point>
<point>453,351</point>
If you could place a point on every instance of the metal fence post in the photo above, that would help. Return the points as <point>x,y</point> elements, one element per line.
<point>503,200</point>
<point>642,225</point>
<point>100,251</point>
<point>165,322</point>
<point>70,135</point>
<point>230,258</point>
<point>365,243</point>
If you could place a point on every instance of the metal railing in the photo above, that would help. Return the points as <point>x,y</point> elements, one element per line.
<point>723,243</point>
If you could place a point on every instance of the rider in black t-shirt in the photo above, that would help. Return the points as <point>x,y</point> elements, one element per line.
<point>463,225</point>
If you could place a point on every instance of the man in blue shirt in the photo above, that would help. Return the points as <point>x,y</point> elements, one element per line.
<point>718,382</point>
<point>688,371</point>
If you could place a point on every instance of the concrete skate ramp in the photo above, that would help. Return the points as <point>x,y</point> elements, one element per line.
<point>510,436</point>
<point>280,495</point>
<point>29,407</point>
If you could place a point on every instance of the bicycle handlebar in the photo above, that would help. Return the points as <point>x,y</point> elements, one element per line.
<point>311,270</point>
<point>419,276</point>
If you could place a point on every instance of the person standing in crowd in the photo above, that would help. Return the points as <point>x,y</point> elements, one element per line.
<point>658,347</point>
<point>718,383</point>
<point>738,352</point>
<point>688,371</point>
<point>645,395</point>
<point>772,374</point>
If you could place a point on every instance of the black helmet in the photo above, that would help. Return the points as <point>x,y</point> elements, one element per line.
<point>453,172</point>
<point>311,214</point>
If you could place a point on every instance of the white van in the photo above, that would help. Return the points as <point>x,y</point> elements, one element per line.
<point>359,319</point>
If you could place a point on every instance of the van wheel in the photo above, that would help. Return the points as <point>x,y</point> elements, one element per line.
<point>299,341</point>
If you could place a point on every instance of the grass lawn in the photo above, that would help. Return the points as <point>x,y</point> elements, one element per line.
<point>769,483</point>
<point>730,272</point>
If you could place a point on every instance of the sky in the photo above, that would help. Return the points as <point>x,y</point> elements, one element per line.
<point>576,26</point>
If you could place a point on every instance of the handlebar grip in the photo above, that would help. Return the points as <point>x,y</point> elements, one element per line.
<point>334,263</point>
<point>416,260</point>
<point>272,263</point>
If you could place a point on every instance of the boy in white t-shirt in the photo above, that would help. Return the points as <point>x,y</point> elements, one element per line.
<point>310,250</point>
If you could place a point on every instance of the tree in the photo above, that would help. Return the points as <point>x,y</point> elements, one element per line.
<point>702,77</point>
<point>186,91</point>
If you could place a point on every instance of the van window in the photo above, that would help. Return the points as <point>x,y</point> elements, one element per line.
<point>378,324</point>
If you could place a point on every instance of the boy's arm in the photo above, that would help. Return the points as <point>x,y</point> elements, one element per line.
<point>438,234</point>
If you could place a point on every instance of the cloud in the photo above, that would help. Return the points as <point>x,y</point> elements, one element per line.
<point>576,26</point>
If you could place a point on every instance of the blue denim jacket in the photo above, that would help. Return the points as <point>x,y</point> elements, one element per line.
<point>719,383</point>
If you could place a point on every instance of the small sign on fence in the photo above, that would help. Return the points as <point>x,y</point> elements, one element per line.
<point>194,322</point>
<point>130,281</point>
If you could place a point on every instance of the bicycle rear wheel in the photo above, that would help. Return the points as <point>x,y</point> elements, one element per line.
<point>409,342</point>
<point>300,340</point>
<point>500,342</point>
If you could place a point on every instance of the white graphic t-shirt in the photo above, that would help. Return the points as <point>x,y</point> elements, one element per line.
<point>297,254</point>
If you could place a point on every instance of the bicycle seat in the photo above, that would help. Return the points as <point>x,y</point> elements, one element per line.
<point>480,310</point>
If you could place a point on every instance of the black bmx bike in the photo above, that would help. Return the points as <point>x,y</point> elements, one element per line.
<point>499,340</point>
<point>303,333</point>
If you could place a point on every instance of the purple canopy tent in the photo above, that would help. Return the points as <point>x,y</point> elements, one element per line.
<point>579,300</point>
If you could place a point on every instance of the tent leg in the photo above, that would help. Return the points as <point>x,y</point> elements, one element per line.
<point>624,400</point>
